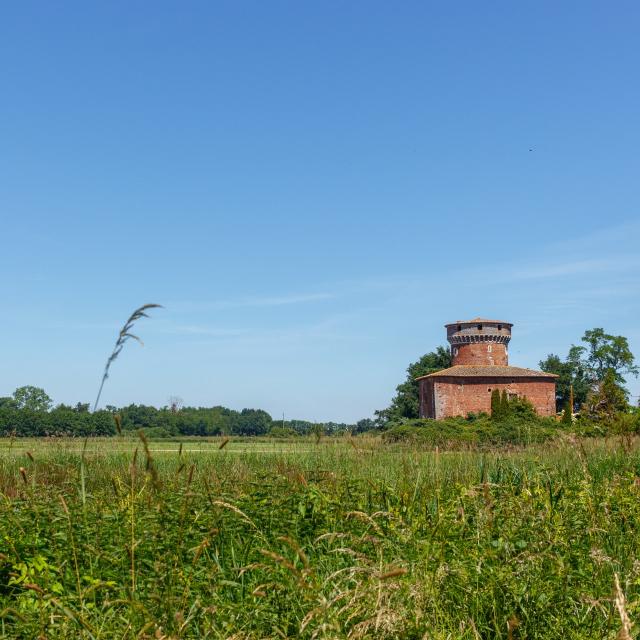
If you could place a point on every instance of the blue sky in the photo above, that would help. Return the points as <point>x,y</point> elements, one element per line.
<point>311,189</point>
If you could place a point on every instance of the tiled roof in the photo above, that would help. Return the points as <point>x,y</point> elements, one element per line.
<point>488,371</point>
<point>479,321</point>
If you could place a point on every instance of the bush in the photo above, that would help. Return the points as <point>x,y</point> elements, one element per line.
<point>440,433</point>
<point>282,432</point>
<point>522,426</point>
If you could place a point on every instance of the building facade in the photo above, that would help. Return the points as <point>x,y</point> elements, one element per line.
<point>479,350</point>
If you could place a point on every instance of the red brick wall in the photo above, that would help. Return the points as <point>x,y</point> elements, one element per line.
<point>480,354</point>
<point>456,396</point>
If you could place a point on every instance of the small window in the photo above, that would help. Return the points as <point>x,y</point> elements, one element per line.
<point>479,327</point>
<point>459,327</point>
<point>499,327</point>
<point>489,348</point>
<point>489,389</point>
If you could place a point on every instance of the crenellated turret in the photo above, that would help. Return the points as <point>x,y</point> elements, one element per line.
<point>479,342</point>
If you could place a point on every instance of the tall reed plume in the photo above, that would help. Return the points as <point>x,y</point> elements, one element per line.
<point>123,336</point>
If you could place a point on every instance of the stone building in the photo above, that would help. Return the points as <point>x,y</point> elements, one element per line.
<point>480,365</point>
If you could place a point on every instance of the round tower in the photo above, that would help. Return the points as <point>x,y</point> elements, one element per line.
<point>479,342</point>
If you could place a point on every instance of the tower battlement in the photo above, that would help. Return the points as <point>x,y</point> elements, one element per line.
<point>479,342</point>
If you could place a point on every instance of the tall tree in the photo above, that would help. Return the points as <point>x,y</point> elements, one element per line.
<point>571,372</point>
<point>504,404</point>
<point>406,402</point>
<point>496,405</point>
<point>32,398</point>
<point>567,414</point>
<point>607,400</point>
<point>586,366</point>
<point>606,352</point>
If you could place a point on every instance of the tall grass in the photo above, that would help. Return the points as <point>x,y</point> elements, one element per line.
<point>123,336</point>
<point>337,539</point>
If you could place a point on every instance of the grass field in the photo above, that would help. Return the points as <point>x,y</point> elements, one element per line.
<point>338,539</point>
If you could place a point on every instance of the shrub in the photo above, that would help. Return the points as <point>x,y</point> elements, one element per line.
<point>519,426</point>
<point>282,432</point>
<point>157,433</point>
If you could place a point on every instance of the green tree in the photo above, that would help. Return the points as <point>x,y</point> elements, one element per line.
<point>496,405</point>
<point>504,404</point>
<point>364,425</point>
<point>572,373</point>
<point>406,402</point>
<point>252,422</point>
<point>32,398</point>
<point>567,414</point>
<point>606,352</point>
<point>607,401</point>
<point>586,366</point>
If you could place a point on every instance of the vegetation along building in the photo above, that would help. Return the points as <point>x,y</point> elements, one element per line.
<point>480,365</point>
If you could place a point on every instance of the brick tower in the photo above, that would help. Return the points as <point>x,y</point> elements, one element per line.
<point>479,342</point>
<point>481,366</point>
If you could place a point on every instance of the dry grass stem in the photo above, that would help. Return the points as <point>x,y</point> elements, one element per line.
<point>124,335</point>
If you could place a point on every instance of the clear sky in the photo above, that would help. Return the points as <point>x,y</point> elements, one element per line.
<point>311,189</point>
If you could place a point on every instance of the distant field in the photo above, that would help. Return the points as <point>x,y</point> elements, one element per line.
<point>103,446</point>
<point>343,538</point>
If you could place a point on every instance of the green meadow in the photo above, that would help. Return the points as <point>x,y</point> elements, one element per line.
<point>336,538</point>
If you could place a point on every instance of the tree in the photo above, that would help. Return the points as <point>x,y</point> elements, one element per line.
<point>504,404</point>
<point>406,402</point>
<point>252,422</point>
<point>572,373</point>
<point>364,425</point>
<point>607,401</point>
<point>32,398</point>
<point>608,353</point>
<point>567,414</point>
<point>496,405</point>
<point>585,367</point>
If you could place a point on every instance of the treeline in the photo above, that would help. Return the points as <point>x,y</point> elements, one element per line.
<point>61,421</point>
<point>216,421</point>
<point>29,412</point>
